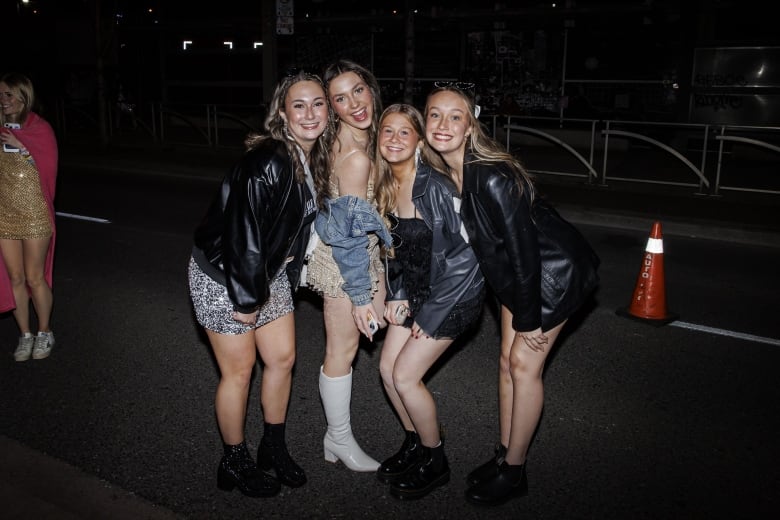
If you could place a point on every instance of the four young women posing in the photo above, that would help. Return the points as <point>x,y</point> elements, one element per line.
<point>247,262</point>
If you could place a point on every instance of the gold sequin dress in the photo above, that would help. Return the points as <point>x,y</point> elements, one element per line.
<point>322,273</point>
<point>23,210</point>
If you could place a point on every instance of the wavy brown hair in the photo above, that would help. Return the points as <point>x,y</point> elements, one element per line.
<point>319,159</point>
<point>321,182</point>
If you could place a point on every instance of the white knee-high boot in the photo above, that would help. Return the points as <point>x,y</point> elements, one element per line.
<point>339,443</point>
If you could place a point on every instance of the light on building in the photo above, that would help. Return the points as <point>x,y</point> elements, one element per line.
<point>185,44</point>
<point>229,45</point>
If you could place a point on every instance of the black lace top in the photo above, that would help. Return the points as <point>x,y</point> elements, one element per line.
<point>413,247</point>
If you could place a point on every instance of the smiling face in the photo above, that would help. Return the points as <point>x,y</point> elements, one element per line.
<point>352,100</point>
<point>306,113</point>
<point>447,123</point>
<point>398,140</point>
<point>10,102</point>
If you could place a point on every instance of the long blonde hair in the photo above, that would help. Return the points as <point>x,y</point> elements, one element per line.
<point>484,148</point>
<point>385,186</point>
<point>22,88</point>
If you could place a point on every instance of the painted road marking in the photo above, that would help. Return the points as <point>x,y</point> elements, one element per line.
<point>723,332</point>
<point>83,217</point>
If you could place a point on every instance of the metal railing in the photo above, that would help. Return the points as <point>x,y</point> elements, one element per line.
<point>708,159</point>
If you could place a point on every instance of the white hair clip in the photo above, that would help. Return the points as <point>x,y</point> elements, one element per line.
<point>477,110</point>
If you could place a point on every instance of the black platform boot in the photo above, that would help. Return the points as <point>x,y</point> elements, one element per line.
<point>273,454</point>
<point>237,469</point>
<point>510,482</point>
<point>402,461</point>
<point>431,471</point>
<point>488,469</point>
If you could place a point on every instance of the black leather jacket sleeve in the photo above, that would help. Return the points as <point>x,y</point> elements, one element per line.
<point>539,266</point>
<point>252,225</point>
<point>244,255</point>
<point>513,214</point>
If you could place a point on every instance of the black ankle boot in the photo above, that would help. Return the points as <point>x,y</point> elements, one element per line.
<point>237,469</point>
<point>510,482</point>
<point>489,469</point>
<point>431,471</point>
<point>405,458</point>
<point>273,454</point>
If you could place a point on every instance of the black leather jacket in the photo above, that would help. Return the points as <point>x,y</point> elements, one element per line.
<point>256,221</point>
<point>455,274</point>
<point>539,266</point>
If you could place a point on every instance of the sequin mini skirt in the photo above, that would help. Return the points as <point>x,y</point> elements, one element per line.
<point>24,213</point>
<point>214,310</point>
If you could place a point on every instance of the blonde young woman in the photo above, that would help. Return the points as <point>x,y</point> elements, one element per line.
<point>28,177</point>
<point>517,237</point>
<point>344,267</point>
<point>435,293</point>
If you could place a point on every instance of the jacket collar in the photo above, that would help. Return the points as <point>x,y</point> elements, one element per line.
<point>421,180</point>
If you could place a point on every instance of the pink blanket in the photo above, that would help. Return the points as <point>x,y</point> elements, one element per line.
<point>38,137</point>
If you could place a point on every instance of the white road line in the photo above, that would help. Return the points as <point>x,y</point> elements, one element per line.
<point>83,217</point>
<point>723,332</point>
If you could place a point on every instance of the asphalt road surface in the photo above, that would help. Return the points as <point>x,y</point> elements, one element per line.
<point>640,422</point>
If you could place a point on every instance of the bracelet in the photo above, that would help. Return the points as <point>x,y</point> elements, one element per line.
<point>24,152</point>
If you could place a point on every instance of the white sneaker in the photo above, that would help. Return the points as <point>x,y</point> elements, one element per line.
<point>44,341</point>
<point>25,347</point>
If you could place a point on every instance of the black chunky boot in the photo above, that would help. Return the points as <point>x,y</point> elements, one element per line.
<point>489,469</point>
<point>273,454</point>
<point>510,482</point>
<point>406,458</point>
<point>431,471</point>
<point>237,469</point>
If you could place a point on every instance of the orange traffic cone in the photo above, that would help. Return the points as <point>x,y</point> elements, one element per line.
<point>648,303</point>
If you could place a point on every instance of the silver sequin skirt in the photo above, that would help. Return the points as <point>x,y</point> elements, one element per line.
<point>214,310</point>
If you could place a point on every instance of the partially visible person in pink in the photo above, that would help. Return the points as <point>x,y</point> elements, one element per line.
<point>28,176</point>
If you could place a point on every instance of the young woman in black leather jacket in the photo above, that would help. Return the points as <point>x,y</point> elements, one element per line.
<point>435,293</point>
<point>245,267</point>
<point>538,265</point>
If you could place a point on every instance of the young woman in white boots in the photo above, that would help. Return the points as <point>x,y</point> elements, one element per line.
<point>348,274</point>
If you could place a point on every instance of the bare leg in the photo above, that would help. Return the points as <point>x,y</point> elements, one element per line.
<point>527,367</point>
<point>395,340</point>
<point>236,356</point>
<point>276,344</point>
<point>14,263</point>
<point>34,266</point>
<point>430,468</point>
<point>341,336</point>
<point>505,387</point>
<point>412,363</point>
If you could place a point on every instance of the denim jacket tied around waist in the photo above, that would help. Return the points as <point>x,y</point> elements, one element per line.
<point>344,224</point>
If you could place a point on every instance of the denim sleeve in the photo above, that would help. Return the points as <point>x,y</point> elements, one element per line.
<point>344,226</point>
